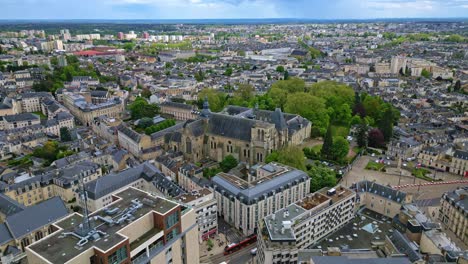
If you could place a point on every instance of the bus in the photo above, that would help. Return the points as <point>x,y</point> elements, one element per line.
<point>235,247</point>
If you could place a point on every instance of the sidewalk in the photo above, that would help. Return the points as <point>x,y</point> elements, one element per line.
<point>219,242</point>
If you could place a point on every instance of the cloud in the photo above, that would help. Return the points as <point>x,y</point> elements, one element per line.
<point>202,9</point>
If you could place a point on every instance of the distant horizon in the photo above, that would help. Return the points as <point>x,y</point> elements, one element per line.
<point>232,9</point>
<point>221,20</point>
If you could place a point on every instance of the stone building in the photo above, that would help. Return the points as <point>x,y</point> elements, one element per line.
<point>247,134</point>
<point>453,212</point>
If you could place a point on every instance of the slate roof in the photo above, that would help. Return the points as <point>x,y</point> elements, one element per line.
<point>9,206</point>
<point>231,127</point>
<point>177,105</point>
<point>21,117</point>
<point>405,246</point>
<point>129,133</point>
<point>458,198</point>
<point>195,128</point>
<point>36,216</point>
<point>461,154</point>
<point>252,193</point>
<point>167,186</point>
<point>114,181</point>
<point>5,235</point>
<point>381,190</point>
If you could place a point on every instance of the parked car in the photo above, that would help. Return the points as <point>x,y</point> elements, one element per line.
<point>253,251</point>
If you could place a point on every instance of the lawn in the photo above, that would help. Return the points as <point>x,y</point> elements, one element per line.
<point>340,131</point>
<point>372,165</point>
<point>40,114</point>
<point>317,148</point>
<point>422,174</point>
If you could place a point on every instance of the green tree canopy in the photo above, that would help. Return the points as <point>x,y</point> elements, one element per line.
<point>310,107</point>
<point>320,177</point>
<point>340,149</point>
<point>228,163</point>
<point>291,156</point>
<point>65,134</point>
<point>280,68</point>
<point>216,99</point>
<point>141,108</point>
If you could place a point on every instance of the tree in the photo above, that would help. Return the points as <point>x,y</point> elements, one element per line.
<point>320,177</point>
<point>146,93</point>
<point>228,163</point>
<point>42,86</point>
<point>291,156</point>
<point>280,68</point>
<point>216,99</point>
<point>340,149</point>
<point>386,124</point>
<point>457,86</point>
<point>65,134</point>
<point>341,115</point>
<point>228,71</point>
<point>327,146</point>
<point>286,75</point>
<point>426,74</point>
<point>310,107</point>
<point>160,126</point>
<point>141,108</point>
<point>362,135</point>
<point>199,76</point>
<point>145,122</point>
<point>245,92</point>
<point>376,138</point>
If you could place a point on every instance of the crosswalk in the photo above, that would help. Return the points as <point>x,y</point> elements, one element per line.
<point>430,183</point>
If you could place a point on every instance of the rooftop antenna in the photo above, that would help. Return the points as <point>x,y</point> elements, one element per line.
<point>86,225</point>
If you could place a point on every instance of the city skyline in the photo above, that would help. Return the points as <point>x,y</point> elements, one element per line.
<point>232,9</point>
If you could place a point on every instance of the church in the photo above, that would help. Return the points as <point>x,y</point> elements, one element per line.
<point>245,133</point>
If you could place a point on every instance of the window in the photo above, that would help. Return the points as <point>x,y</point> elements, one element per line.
<point>172,234</point>
<point>172,219</point>
<point>118,256</point>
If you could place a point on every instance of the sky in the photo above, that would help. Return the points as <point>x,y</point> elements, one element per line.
<point>211,9</point>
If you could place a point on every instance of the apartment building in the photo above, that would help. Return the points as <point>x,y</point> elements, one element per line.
<point>59,182</point>
<point>453,213</point>
<point>101,190</point>
<point>381,199</point>
<point>19,121</point>
<point>31,102</point>
<point>459,163</point>
<point>303,223</point>
<point>136,227</point>
<point>179,111</point>
<point>243,202</point>
<point>68,178</point>
<point>86,111</point>
<point>205,206</point>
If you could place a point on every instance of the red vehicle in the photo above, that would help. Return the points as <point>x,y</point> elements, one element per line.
<point>249,240</point>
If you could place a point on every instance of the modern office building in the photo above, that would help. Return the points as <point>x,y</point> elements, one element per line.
<point>243,202</point>
<point>302,224</point>
<point>135,228</point>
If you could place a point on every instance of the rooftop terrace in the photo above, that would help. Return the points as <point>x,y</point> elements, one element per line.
<point>279,224</point>
<point>60,248</point>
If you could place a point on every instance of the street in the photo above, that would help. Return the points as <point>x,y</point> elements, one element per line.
<point>240,257</point>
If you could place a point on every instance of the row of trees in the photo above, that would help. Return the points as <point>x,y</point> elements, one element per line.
<point>160,126</point>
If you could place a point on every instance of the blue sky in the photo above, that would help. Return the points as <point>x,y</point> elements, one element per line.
<point>205,9</point>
